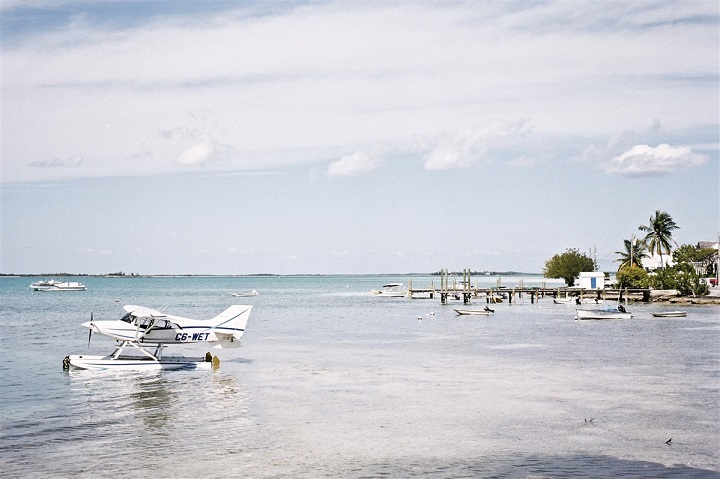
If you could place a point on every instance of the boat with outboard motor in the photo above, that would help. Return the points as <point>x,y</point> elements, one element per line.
<point>471,312</point>
<point>142,329</point>
<point>52,285</point>
<point>608,312</point>
<point>391,290</point>
<point>475,312</point>
<point>242,294</point>
<point>575,300</point>
<point>670,314</point>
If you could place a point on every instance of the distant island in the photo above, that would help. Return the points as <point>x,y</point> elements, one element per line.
<point>122,274</point>
<point>487,273</point>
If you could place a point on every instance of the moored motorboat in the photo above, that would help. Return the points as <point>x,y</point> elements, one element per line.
<point>391,290</point>
<point>240,294</point>
<point>605,313</point>
<point>670,314</point>
<point>575,300</point>
<point>52,285</point>
<point>473,312</point>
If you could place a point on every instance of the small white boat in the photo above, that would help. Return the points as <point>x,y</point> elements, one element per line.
<point>240,294</point>
<point>575,300</point>
<point>390,290</point>
<point>52,285</point>
<point>670,314</point>
<point>605,313</point>
<point>473,312</point>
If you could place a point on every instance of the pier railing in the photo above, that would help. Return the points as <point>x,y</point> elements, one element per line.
<point>467,292</point>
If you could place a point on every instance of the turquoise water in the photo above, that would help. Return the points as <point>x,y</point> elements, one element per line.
<point>334,382</point>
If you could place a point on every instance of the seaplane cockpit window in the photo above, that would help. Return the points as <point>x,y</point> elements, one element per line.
<point>163,324</point>
<point>144,323</point>
<point>127,318</point>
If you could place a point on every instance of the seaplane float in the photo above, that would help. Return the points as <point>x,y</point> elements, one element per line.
<point>146,332</point>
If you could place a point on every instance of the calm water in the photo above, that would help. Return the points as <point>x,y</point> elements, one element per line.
<point>334,382</point>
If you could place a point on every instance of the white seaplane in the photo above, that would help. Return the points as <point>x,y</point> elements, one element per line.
<point>142,329</point>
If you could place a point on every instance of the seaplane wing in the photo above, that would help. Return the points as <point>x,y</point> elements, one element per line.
<point>142,311</point>
<point>148,326</point>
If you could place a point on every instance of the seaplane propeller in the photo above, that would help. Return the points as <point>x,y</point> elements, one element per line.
<point>91,328</point>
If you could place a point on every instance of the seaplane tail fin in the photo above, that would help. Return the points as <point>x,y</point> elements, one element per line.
<point>230,326</point>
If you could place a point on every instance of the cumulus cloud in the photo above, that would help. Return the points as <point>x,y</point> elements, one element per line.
<point>644,160</point>
<point>351,165</point>
<point>456,150</point>
<point>206,152</point>
<point>468,146</point>
<point>71,162</point>
<point>620,143</point>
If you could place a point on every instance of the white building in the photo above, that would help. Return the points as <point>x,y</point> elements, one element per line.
<point>592,280</point>
<point>653,262</point>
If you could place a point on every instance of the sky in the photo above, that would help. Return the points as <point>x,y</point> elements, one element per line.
<point>191,137</point>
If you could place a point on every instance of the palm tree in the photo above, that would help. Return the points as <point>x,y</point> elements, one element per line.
<point>659,233</point>
<point>634,252</point>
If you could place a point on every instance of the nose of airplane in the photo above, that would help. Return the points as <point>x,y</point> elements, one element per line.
<point>87,324</point>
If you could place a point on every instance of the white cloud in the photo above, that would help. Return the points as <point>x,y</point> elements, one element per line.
<point>458,150</point>
<point>468,146</point>
<point>644,160</point>
<point>351,165</point>
<point>206,152</point>
<point>315,78</point>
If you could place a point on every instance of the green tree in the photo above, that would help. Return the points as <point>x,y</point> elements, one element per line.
<point>688,253</point>
<point>681,277</point>
<point>659,233</point>
<point>631,277</point>
<point>568,265</point>
<point>634,252</point>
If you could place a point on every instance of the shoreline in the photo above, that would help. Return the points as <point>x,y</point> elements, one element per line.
<point>249,275</point>
<point>701,300</point>
<point>665,296</point>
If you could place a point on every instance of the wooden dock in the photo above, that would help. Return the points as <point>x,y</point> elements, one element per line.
<point>500,294</point>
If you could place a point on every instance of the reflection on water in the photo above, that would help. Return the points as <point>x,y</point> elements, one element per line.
<point>152,400</point>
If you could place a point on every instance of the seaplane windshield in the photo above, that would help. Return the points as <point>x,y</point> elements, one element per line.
<point>162,324</point>
<point>144,323</point>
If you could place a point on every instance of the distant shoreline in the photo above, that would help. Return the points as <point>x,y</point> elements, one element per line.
<point>253,275</point>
